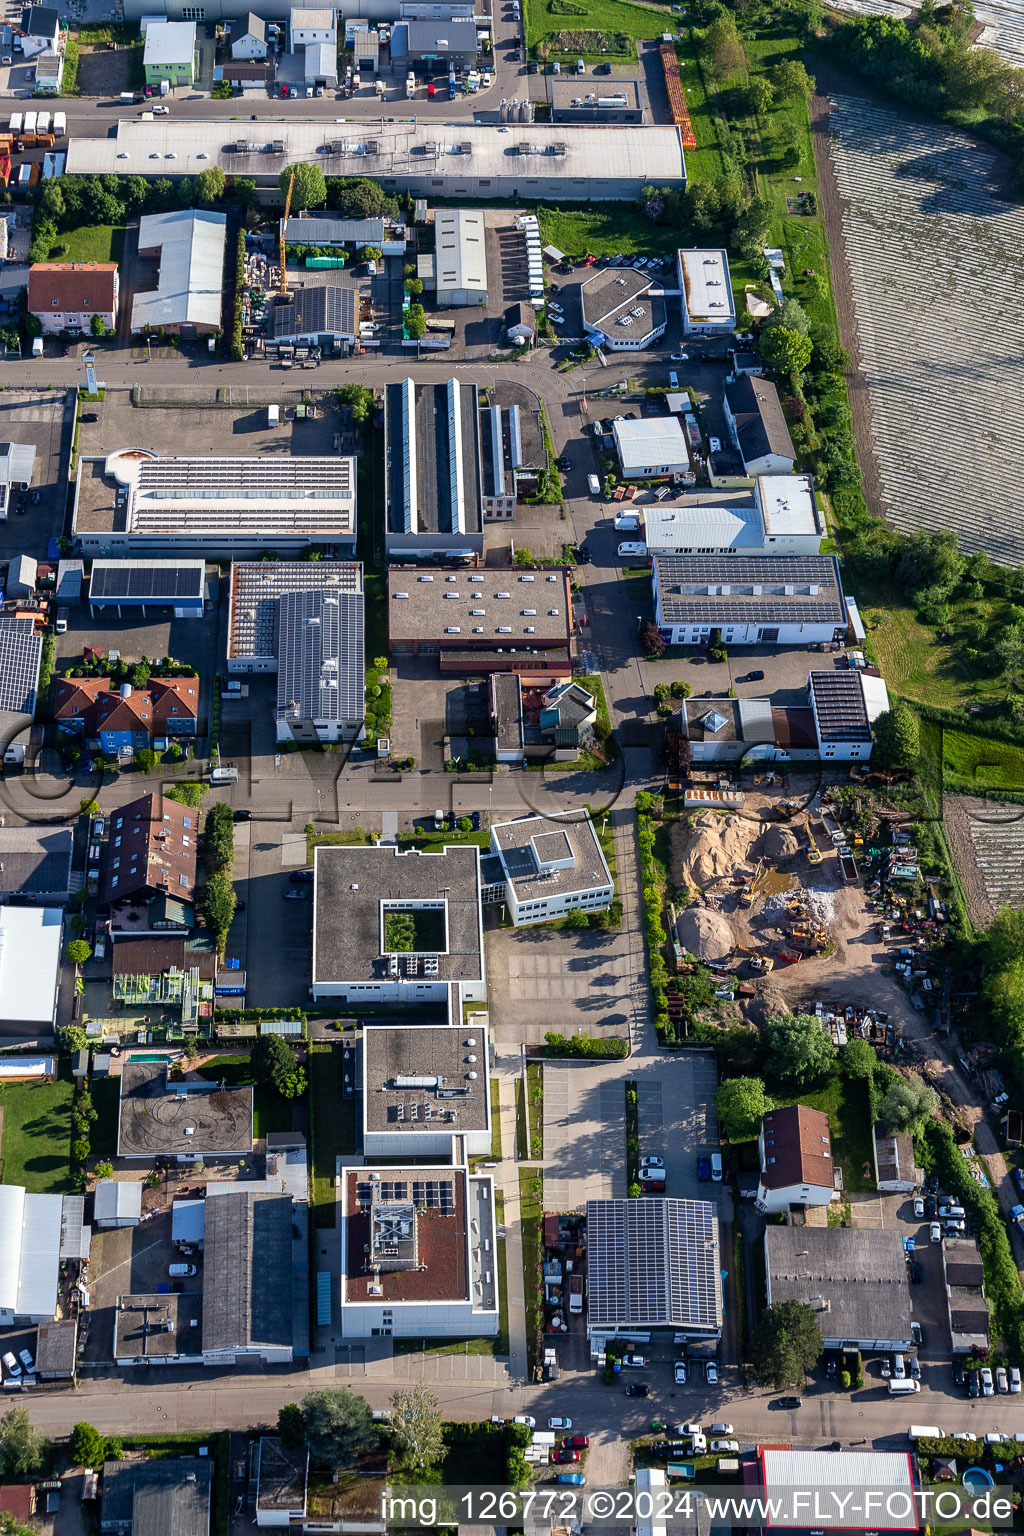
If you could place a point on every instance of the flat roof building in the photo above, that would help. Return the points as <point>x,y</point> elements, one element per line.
<point>706,290</point>
<point>17,466</point>
<point>963,1275</point>
<point>895,1170</point>
<point>136,502</point>
<point>169,54</point>
<point>622,310</point>
<point>323,229</point>
<point>429,159</point>
<point>56,1350</point>
<point>460,253</point>
<point>257,587</point>
<point>30,1239</point>
<point>855,1279</point>
<point>30,945</point>
<point>755,600</point>
<point>282,1476</point>
<point>248,1280</point>
<point>402,927</point>
<point>654,1264</point>
<point>783,519</point>
<point>321,667</point>
<point>831,1482</point>
<point>418,1252</point>
<point>651,448</point>
<point>35,863</point>
<point>512,618</point>
<point>117,1203</point>
<point>139,585</point>
<point>613,101</point>
<point>452,42</point>
<point>552,865</point>
<point>514,452</point>
<point>432,469</point>
<point>185,1119</point>
<point>422,1087</point>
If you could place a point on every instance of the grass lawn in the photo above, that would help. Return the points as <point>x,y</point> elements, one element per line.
<point>531,1208</point>
<point>495,1121</point>
<point>535,1097</point>
<point>270,1112</point>
<point>604,230</point>
<point>704,163</point>
<point>332,1121</point>
<point>315,839</point>
<point>978,762</point>
<point>36,1145</point>
<point>91,242</point>
<point>432,839</point>
<point>474,1453</point>
<point>620,22</point>
<point>918,664</point>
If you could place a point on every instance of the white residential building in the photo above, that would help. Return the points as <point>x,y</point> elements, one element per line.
<point>550,865</point>
<point>308,27</point>
<point>418,1253</point>
<point>250,42</point>
<point>706,289</point>
<point>795,1147</point>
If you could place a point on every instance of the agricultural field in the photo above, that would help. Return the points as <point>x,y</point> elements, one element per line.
<point>987,844</point>
<point>935,259</point>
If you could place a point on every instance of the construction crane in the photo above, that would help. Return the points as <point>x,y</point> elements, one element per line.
<point>284,226</point>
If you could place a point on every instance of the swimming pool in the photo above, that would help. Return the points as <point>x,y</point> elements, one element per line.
<point>977,1477</point>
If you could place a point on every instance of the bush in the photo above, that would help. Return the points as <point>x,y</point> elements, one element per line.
<point>561,1046</point>
<point>844,1381</point>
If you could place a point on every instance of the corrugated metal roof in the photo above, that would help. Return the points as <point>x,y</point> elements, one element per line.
<point>40,1256</point>
<point>12,1215</point>
<point>117,1200</point>
<point>190,287</point>
<point>29,958</point>
<point>834,1474</point>
<point>652,441</point>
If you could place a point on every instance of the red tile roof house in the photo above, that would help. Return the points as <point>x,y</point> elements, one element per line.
<point>65,295</point>
<point>152,851</point>
<point>119,718</point>
<point>796,1159</point>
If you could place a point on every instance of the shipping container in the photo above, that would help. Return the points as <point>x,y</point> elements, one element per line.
<point>60,124</point>
<point>16,121</point>
<point>31,118</point>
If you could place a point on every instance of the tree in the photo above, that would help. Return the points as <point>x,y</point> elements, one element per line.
<point>145,759</point>
<point>931,560</point>
<point>359,198</point>
<point>897,738</point>
<point>291,1426</point>
<point>415,321</point>
<point>21,1444</point>
<point>1009,652</point>
<point>86,1446</point>
<point>785,350</point>
<point>417,1430</point>
<point>97,326</point>
<point>71,1038</point>
<point>104,1170</point>
<point>370,253</point>
<point>576,919</point>
<point>9,1526</point>
<point>760,96</point>
<point>188,794</point>
<point>414,287</point>
<point>908,1105</point>
<point>722,44</point>
<point>338,1426</point>
<point>78,951</point>
<point>243,190</point>
<point>791,79</point>
<point>219,838</point>
<point>858,1060</point>
<point>795,1050</point>
<point>358,400</point>
<point>652,641</point>
<point>273,1064</point>
<point>787,1342</point>
<point>742,1104</point>
<point>209,185</point>
<point>218,905</point>
<point>309,189</point>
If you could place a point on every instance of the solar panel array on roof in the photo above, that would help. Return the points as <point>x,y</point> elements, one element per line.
<point>839,706</point>
<point>159,580</point>
<point>20,653</point>
<point>653,1263</point>
<point>738,588</point>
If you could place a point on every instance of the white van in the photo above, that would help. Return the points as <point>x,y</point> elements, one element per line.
<point>924,1432</point>
<point>273,415</point>
<point>181,1271</point>
<point>901,1388</point>
<point>224,776</point>
<point>62,621</point>
<point>673,381</point>
<point>631,548</point>
<point>593,485</point>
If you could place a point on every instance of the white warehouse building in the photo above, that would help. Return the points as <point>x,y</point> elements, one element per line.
<point>706,288</point>
<point>785,519</point>
<point>756,600</point>
<point>542,867</point>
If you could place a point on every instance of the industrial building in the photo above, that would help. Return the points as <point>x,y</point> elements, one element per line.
<point>622,310</point>
<point>136,586</point>
<point>328,229</point>
<point>654,1264</point>
<point>963,1275</point>
<point>117,1203</point>
<point>458,263</point>
<point>706,290</point>
<point>784,519</point>
<point>397,927</point>
<point>320,666</point>
<point>614,101</point>
<point>757,426</point>
<point>513,450</point>
<point>855,1279</point>
<point>422,1087</point>
<point>252,1261</point>
<point>323,315</point>
<point>35,864</point>
<point>138,503</point>
<point>68,295</point>
<point>419,1248</point>
<point>756,600</point>
<point>172,1496</point>
<point>256,589</point>
<point>651,448</point>
<point>482,620</point>
<point>189,247</point>
<point>550,865</point>
<point>530,162</point>
<point>30,1244</point>
<point>831,1483</point>
<point>451,43</point>
<point>432,469</point>
<point>30,946</point>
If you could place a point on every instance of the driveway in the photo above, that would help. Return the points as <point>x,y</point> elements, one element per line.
<point>574,982</point>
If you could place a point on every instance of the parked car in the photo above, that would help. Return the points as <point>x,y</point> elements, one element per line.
<point>932,1184</point>
<point>295,893</point>
<point>651,1162</point>
<point>714,445</point>
<point>725,1447</point>
<point>959,1379</point>
<point>566,1453</point>
<point>1018,1173</point>
<point>987,1384</point>
<point>11,1365</point>
<point>1002,1380</point>
<point>635,1362</point>
<point>899,1369</point>
<point>915,1368</point>
<point>917,1334</point>
<point>935,1232</point>
<point>301,877</point>
<point>919,1207</point>
<point>578,1442</point>
<point>886,1368</point>
<point>680,1373</point>
<point>1014,1378</point>
<point>789,1402</point>
<point>638,1389</point>
<point>241,816</point>
<point>974,1384</point>
<point>525,1418</point>
<point>564,463</point>
<point>680,357</point>
<point>689,1429</point>
<point>916,1270</point>
<point>559,1423</point>
<point>711,1373</point>
<point>653,1186</point>
<point>26,1359</point>
<point>704,1169</point>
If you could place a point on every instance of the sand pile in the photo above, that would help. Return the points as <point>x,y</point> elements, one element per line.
<point>705,934</point>
<point>718,849</point>
<point>778,842</point>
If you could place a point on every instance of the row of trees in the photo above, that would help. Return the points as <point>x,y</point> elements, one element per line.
<point>217,898</point>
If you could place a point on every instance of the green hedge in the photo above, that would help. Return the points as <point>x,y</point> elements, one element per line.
<point>236,351</point>
<point>559,1047</point>
<point>654,928</point>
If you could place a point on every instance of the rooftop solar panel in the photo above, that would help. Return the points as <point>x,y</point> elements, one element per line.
<point>136,580</point>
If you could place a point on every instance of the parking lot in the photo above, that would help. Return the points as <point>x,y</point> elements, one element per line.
<point>47,422</point>
<point>123,1261</point>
